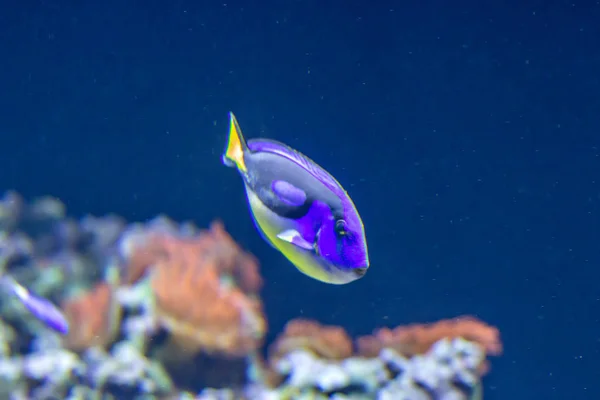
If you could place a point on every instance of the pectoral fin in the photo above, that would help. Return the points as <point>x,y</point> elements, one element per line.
<point>292,236</point>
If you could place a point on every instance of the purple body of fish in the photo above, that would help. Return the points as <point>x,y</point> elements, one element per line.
<point>302,210</point>
<point>47,312</point>
<point>43,309</point>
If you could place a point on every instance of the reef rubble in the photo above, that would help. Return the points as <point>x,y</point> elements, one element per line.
<point>161,310</point>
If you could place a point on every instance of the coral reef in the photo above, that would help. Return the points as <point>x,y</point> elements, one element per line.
<point>93,316</point>
<point>168,311</point>
<point>205,291</point>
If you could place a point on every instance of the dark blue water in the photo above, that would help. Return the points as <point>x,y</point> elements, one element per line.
<point>468,134</point>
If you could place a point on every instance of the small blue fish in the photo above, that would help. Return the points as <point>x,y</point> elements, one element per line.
<point>41,308</point>
<point>299,208</point>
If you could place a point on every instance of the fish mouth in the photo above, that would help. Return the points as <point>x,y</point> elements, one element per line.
<point>360,272</point>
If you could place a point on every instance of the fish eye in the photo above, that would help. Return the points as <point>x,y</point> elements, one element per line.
<point>340,227</point>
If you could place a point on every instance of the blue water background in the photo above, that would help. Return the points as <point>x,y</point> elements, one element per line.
<point>467,133</point>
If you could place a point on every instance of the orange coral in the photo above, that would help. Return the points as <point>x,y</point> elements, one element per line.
<point>330,342</point>
<point>145,254</point>
<point>205,291</point>
<point>243,267</point>
<point>93,318</point>
<point>418,338</point>
<point>333,343</point>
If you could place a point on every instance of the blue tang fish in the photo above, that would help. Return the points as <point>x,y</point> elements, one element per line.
<point>299,208</point>
<point>40,307</point>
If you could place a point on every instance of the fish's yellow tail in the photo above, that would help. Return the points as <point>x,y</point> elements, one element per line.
<point>236,146</point>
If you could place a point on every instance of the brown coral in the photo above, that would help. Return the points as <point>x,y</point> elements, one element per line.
<point>93,318</point>
<point>329,342</point>
<point>205,291</point>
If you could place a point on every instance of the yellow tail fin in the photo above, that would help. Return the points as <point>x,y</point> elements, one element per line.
<point>236,146</point>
